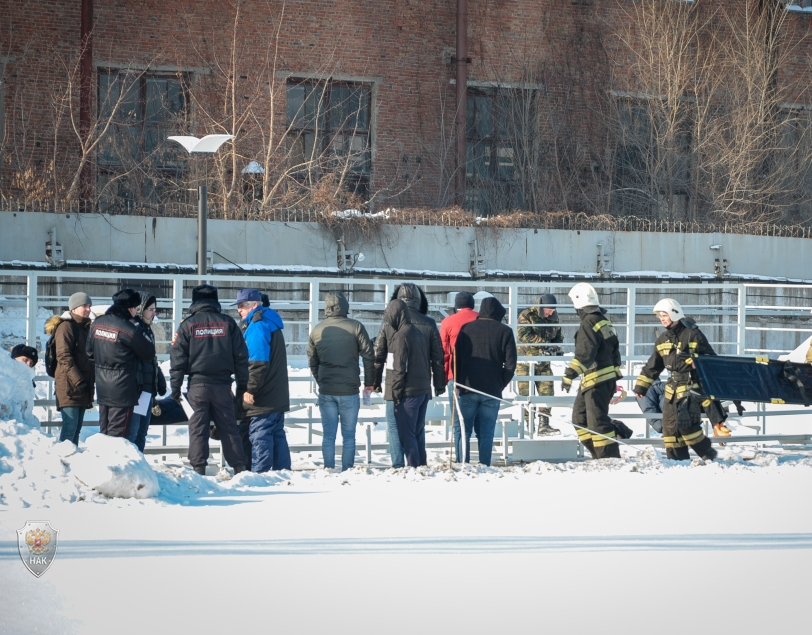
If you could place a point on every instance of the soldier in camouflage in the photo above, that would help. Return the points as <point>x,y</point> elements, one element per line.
<point>529,335</point>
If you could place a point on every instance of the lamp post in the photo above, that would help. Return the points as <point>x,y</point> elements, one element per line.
<point>207,145</point>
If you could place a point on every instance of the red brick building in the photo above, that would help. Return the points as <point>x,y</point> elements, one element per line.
<point>584,105</point>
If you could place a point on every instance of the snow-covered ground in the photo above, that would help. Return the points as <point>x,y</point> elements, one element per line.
<point>640,544</point>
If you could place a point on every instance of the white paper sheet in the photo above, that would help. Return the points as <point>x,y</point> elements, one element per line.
<point>187,408</point>
<point>143,404</point>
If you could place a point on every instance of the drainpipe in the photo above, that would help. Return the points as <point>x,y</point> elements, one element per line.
<point>461,61</point>
<point>85,90</point>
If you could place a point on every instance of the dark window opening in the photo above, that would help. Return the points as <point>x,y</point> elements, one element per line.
<point>135,162</point>
<point>497,121</point>
<point>329,133</point>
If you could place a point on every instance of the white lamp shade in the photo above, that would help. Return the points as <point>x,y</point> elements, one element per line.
<point>207,145</point>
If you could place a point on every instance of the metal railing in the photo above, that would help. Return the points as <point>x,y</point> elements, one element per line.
<point>737,318</point>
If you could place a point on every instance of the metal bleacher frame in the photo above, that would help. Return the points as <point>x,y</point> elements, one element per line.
<point>737,317</point>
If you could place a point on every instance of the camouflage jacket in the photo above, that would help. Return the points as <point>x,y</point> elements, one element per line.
<point>536,335</point>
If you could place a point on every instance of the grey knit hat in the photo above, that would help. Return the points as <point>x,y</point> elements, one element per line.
<point>79,299</point>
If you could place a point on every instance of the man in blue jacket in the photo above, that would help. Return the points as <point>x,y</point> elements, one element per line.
<point>267,397</point>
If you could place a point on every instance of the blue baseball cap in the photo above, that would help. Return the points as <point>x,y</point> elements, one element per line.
<point>248,295</point>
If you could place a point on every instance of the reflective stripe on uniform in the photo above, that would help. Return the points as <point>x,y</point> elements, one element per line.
<point>583,435</point>
<point>762,360</point>
<point>599,376</point>
<point>577,366</point>
<point>600,441</point>
<point>681,390</point>
<point>598,326</point>
<point>692,438</point>
<point>673,442</point>
<point>642,380</point>
<point>665,348</point>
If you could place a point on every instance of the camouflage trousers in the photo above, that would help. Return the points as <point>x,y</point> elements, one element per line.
<point>545,388</point>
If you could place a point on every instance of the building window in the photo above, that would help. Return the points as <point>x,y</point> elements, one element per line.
<point>652,172</point>
<point>498,120</point>
<point>135,162</point>
<point>329,133</point>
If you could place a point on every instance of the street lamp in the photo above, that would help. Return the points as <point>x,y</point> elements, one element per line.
<point>207,145</point>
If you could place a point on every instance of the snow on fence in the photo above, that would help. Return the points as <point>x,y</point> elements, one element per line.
<point>738,319</point>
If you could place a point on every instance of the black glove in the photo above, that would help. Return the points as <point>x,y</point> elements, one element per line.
<point>176,395</point>
<point>566,384</point>
<point>739,407</point>
<point>639,390</point>
<point>439,391</point>
<point>161,383</point>
<point>213,432</point>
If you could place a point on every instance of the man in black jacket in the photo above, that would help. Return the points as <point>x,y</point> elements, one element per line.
<point>486,361</point>
<point>418,306</point>
<point>209,348</point>
<point>409,373</point>
<point>115,346</point>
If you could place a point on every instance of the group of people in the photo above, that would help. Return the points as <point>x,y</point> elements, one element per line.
<point>472,353</point>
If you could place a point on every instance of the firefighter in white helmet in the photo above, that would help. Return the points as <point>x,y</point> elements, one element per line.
<point>675,350</point>
<point>597,358</point>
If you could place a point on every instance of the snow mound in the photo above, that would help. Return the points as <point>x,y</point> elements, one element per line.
<point>114,468</point>
<point>16,391</point>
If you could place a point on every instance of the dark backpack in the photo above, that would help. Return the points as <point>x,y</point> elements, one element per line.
<point>50,352</point>
<point>50,357</point>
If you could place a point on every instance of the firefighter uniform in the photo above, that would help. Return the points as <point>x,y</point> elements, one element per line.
<point>597,358</point>
<point>675,350</point>
<point>529,338</point>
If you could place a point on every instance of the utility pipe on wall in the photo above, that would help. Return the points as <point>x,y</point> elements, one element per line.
<point>461,101</point>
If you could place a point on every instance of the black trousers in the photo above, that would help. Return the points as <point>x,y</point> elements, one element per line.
<point>410,416</point>
<point>115,422</point>
<point>213,402</point>
<point>591,411</point>
<point>677,440</point>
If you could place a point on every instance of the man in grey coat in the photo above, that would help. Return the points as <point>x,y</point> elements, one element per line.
<point>332,354</point>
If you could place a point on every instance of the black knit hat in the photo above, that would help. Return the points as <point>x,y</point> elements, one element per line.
<point>128,298</point>
<point>548,298</point>
<point>463,300</point>
<point>22,350</point>
<point>204,292</point>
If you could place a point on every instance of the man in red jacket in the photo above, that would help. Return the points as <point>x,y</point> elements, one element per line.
<point>449,330</point>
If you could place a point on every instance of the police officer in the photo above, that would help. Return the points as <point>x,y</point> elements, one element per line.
<point>675,350</point>
<point>597,358</point>
<point>209,348</point>
<point>115,346</point>
<point>543,331</point>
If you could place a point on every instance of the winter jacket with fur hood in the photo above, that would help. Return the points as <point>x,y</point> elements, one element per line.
<point>115,345</point>
<point>407,362</point>
<point>334,347</point>
<point>75,376</point>
<point>486,351</point>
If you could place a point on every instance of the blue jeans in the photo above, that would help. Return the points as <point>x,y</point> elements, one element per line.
<point>455,425</point>
<point>392,438</point>
<point>72,419</point>
<point>139,426</point>
<point>269,445</point>
<point>334,408</point>
<point>479,415</point>
<point>410,415</point>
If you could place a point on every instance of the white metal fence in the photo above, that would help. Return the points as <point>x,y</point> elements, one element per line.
<point>738,319</point>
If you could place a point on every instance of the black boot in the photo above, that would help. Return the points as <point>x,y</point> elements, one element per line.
<point>238,469</point>
<point>591,447</point>
<point>200,469</point>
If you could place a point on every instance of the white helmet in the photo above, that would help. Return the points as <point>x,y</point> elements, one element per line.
<point>670,306</point>
<point>583,294</point>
